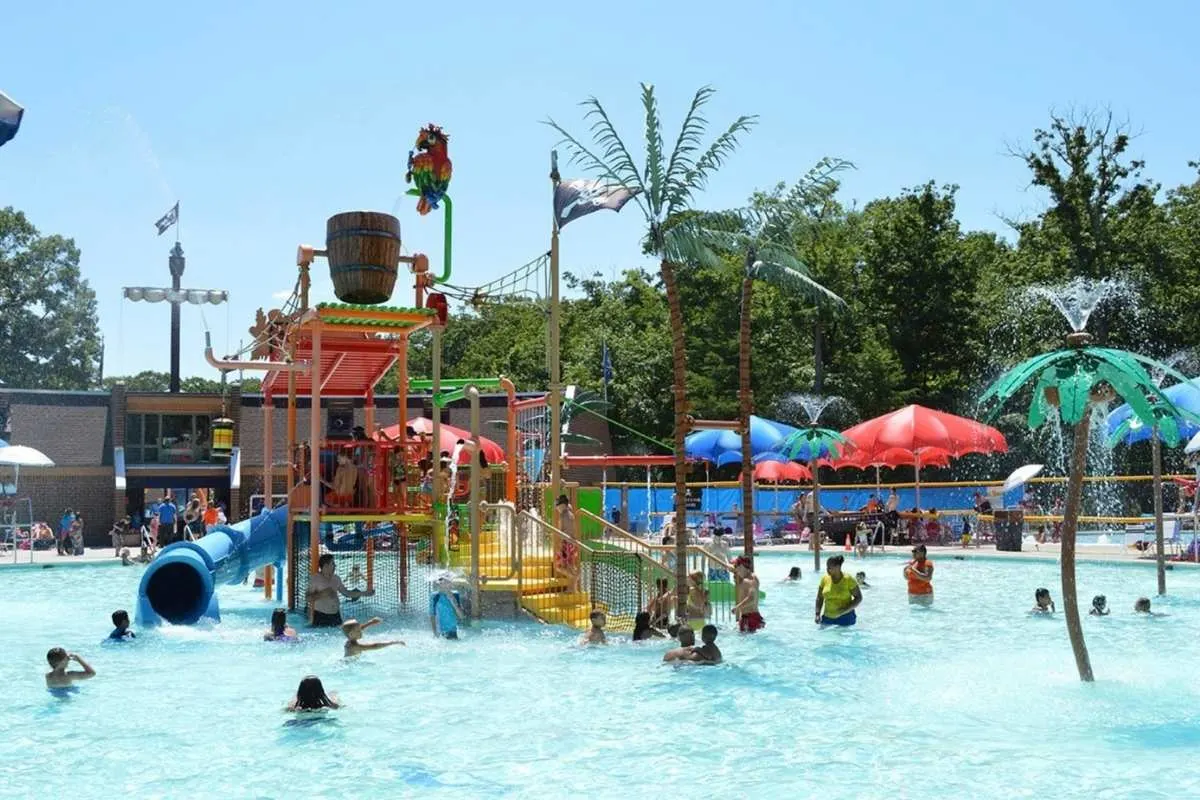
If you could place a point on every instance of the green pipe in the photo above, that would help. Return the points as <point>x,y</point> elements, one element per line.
<point>446,398</point>
<point>448,235</point>
<point>424,384</point>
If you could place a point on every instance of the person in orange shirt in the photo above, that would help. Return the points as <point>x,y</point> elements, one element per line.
<point>919,573</point>
<point>210,517</point>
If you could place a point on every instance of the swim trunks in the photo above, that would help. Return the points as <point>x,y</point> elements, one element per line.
<point>844,621</point>
<point>751,622</point>
<point>322,620</point>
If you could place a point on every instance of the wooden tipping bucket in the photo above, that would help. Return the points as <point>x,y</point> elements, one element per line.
<point>363,249</point>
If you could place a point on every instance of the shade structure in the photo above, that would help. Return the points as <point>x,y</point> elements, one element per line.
<point>450,435</point>
<point>894,457</point>
<point>19,455</point>
<point>917,428</point>
<point>10,118</point>
<point>716,445</point>
<point>1124,426</point>
<point>780,472</point>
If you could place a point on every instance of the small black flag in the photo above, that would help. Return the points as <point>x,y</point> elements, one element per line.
<point>168,219</point>
<point>577,198</point>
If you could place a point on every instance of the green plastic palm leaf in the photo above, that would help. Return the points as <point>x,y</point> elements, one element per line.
<point>810,444</point>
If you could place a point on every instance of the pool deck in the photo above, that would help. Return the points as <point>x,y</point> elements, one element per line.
<point>1045,552</point>
<point>92,556</point>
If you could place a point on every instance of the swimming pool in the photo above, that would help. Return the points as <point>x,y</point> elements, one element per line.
<point>971,698</point>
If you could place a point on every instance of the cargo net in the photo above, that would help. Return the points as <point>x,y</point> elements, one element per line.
<point>614,581</point>
<point>399,573</point>
<point>532,461</point>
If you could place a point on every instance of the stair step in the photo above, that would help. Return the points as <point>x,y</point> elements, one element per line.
<point>549,599</point>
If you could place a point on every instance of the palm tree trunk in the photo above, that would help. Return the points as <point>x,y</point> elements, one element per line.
<point>818,356</point>
<point>1070,525</point>
<point>746,402</point>
<point>1161,558</point>
<point>814,534</point>
<point>679,387</point>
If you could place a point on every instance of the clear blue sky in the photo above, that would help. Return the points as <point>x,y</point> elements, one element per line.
<point>265,118</point>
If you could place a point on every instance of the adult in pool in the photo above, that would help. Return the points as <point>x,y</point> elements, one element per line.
<point>837,596</point>
<point>324,605</point>
<point>311,696</point>
<point>919,574</point>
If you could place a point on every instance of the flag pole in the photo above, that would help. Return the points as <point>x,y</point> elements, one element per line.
<point>555,400</point>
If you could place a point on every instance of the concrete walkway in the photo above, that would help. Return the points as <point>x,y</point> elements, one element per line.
<point>50,558</point>
<point>1045,552</point>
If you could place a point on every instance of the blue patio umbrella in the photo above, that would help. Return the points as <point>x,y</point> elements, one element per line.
<point>10,118</point>
<point>716,446</point>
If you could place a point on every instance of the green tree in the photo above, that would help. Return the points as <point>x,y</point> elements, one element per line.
<point>48,332</point>
<point>665,188</point>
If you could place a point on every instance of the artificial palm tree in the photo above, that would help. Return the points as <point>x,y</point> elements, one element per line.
<point>664,189</point>
<point>1073,380</point>
<point>765,233</point>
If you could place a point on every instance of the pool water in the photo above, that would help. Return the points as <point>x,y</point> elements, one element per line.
<point>972,698</point>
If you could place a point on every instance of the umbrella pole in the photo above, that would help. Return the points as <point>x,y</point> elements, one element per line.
<point>1161,558</point>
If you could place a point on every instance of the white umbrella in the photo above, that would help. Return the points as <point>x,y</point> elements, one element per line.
<point>1020,475</point>
<point>1193,445</point>
<point>18,455</point>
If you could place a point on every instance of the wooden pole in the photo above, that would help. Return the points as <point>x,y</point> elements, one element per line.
<point>268,454</point>
<point>1070,525</point>
<point>439,491</point>
<point>314,452</point>
<point>1161,557</point>
<point>555,399</point>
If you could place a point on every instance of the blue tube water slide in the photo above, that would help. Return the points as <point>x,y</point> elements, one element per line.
<point>180,584</point>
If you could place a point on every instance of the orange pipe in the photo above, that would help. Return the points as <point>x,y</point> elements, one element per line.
<point>314,450</point>
<point>370,565</point>
<point>510,477</point>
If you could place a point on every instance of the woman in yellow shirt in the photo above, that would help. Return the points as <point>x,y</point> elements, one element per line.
<point>837,596</point>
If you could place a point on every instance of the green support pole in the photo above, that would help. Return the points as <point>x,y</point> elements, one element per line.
<point>447,235</point>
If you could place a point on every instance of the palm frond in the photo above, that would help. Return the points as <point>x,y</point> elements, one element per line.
<point>689,141</point>
<point>687,243</point>
<point>779,268</point>
<point>680,191</point>
<point>605,136</point>
<point>653,176</point>
<point>579,153</point>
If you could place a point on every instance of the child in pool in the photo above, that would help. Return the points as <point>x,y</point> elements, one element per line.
<point>595,634</point>
<point>120,621</point>
<point>861,578</point>
<point>444,610</point>
<point>1099,606</point>
<point>1042,604</point>
<point>58,677</point>
<point>353,629</point>
<point>707,653</point>
<point>126,561</point>
<point>311,696</point>
<point>643,630</point>
<point>1142,606</point>
<point>280,630</point>
<point>687,643</point>
<point>793,575</point>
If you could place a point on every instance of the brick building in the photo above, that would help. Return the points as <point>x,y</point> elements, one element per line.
<point>114,451</point>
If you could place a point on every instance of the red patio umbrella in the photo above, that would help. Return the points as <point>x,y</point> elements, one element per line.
<point>919,431</point>
<point>780,471</point>
<point>449,437</point>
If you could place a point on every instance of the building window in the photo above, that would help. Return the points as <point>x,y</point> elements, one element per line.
<point>167,439</point>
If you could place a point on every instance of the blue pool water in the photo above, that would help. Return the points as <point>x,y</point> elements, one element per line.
<point>969,699</point>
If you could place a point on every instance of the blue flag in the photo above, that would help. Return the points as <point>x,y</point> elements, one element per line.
<point>606,369</point>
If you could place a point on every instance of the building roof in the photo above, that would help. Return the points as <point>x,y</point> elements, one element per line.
<point>72,428</point>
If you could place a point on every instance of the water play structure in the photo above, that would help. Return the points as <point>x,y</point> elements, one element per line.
<point>179,586</point>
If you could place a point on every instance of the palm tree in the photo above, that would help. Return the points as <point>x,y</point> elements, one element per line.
<point>766,234</point>
<point>664,189</point>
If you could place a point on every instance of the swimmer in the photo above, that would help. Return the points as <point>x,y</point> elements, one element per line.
<point>862,539</point>
<point>837,596</point>
<point>919,574</point>
<point>708,653</point>
<point>1099,606</point>
<point>311,696</point>
<point>861,578</point>
<point>793,575</point>
<point>643,630</point>
<point>126,561</point>
<point>687,642</point>
<point>120,621</point>
<point>58,677</point>
<point>1042,602</point>
<point>280,630</point>
<point>444,610</point>
<point>595,634</point>
<point>746,610</point>
<point>1142,606</point>
<point>354,632</point>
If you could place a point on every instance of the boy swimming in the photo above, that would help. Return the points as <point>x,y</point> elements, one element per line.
<point>58,677</point>
<point>354,632</point>
<point>687,642</point>
<point>120,621</point>
<point>860,578</point>
<point>1042,602</point>
<point>1099,606</point>
<point>595,634</point>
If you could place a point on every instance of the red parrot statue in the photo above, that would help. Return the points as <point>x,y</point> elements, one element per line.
<point>429,168</point>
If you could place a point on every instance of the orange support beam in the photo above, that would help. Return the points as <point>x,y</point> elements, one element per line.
<point>370,564</point>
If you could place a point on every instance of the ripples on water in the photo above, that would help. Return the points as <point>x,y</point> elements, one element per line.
<point>969,698</point>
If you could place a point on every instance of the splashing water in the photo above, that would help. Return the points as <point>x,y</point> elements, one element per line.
<point>808,408</point>
<point>1079,297</point>
<point>458,448</point>
<point>1186,361</point>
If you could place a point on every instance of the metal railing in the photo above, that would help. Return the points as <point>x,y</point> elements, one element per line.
<point>659,563</point>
